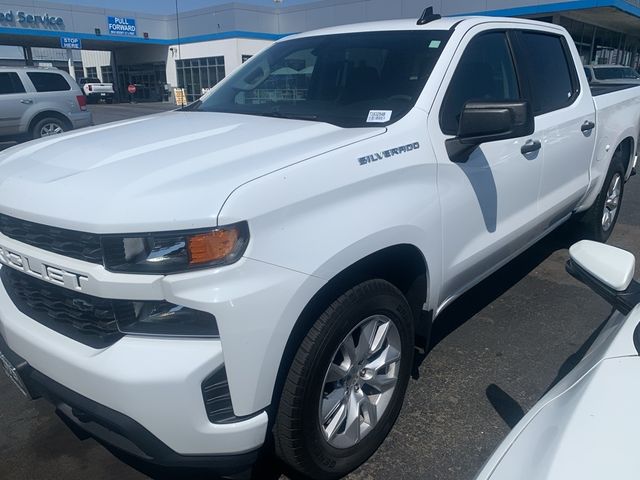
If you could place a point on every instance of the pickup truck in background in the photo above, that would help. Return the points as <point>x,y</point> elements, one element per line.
<point>260,265</point>
<point>611,75</point>
<point>96,91</point>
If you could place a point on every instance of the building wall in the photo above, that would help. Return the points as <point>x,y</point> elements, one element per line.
<point>231,49</point>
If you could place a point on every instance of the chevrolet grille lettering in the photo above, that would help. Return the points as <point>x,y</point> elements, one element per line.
<point>38,269</point>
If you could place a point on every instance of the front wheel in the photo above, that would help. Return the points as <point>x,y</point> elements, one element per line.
<point>347,383</point>
<point>599,220</point>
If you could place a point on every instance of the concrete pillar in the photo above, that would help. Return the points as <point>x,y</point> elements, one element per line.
<point>28,56</point>
<point>72,67</point>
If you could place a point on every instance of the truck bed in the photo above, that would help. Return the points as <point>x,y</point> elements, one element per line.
<point>597,90</point>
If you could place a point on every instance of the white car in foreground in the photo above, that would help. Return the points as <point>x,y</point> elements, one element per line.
<point>586,427</point>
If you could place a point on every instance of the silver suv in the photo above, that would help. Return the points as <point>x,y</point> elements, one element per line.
<point>37,102</point>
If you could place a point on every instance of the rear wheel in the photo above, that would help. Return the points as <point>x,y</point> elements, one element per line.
<point>347,383</point>
<point>598,222</point>
<point>47,127</point>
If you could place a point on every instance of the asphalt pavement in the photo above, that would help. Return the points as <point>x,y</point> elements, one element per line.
<point>495,352</point>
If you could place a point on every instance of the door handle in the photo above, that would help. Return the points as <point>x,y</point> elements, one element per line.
<point>587,126</point>
<point>28,101</point>
<point>531,146</point>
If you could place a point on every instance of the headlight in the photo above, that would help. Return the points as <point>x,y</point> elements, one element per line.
<point>175,252</point>
<point>163,318</point>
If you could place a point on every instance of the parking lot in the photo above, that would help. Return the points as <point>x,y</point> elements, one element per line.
<point>494,353</point>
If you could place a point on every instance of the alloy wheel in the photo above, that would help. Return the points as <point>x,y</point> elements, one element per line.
<point>612,202</point>
<point>50,128</point>
<point>360,381</point>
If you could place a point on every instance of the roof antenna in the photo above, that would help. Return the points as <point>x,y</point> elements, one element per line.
<point>428,16</point>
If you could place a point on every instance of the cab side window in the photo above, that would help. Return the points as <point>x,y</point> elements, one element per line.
<point>553,82</point>
<point>10,83</point>
<point>485,73</point>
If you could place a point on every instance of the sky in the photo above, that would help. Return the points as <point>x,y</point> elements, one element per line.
<point>169,6</point>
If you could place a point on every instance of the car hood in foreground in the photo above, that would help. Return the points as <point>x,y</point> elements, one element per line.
<point>163,172</point>
<point>586,426</point>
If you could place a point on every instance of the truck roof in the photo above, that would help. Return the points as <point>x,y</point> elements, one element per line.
<point>444,23</point>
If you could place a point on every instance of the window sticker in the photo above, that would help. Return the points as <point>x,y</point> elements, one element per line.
<point>379,116</point>
<point>435,44</point>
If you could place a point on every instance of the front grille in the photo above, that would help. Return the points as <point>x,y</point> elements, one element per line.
<point>78,245</point>
<point>84,318</point>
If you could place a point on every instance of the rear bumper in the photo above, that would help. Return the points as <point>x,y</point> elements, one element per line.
<point>97,96</point>
<point>116,430</point>
<point>81,119</point>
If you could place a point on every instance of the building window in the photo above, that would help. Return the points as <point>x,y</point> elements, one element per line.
<point>246,57</point>
<point>599,46</point>
<point>92,72</point>
<point>197,75</point>
<point>78,70</point>
<point>107,73</point>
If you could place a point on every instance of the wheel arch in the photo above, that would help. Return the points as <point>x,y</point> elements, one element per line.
<point>403,265</point>
<point>46,114</point>
<point>627,148</point>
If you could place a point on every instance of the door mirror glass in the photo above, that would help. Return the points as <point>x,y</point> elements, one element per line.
<point>482,122</point>
<point>609,265</point>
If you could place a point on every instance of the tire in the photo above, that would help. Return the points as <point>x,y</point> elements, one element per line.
<point>53,125</point>
<point>596,223</point>
<point>301,441</point>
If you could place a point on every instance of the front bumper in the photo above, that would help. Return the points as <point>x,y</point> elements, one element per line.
<point>154,381</point>
<point>115,430</point>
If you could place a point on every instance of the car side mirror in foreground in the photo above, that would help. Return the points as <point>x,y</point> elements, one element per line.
<point>482,122</point>
<point>606,270</point>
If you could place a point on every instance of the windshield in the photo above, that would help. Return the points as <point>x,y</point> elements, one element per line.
<point>611,73</point>
<point>349,80</point>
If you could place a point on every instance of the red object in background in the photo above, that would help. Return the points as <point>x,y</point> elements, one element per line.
<point>131,89</point>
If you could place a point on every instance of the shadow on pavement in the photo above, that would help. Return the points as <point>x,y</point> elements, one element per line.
<point>510,410</point>
<point>506,406</point>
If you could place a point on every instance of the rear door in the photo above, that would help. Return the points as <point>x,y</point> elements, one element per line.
<point>53,92</point>
<point>14,101</point>
<point>488,203</point>
<point>565,115</point>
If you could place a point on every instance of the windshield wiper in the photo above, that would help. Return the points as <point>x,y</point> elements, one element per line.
<point>289,115</point>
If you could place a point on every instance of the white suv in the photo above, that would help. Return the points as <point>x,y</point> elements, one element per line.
<point>38,102</point>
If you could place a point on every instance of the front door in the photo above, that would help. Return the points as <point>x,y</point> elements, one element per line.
<point>488,203</point>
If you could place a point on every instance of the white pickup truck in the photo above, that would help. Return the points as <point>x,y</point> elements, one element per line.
<point>186,286</point>
<point>96,90</point>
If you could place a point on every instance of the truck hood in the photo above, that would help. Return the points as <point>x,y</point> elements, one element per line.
<point>163,172</point>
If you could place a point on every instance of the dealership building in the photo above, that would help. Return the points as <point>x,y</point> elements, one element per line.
<point>196,49</point>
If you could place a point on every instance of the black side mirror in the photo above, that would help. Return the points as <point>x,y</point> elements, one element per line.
<point>482,122</point>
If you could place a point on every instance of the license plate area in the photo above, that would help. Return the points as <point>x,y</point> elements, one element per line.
<point>13,374</point>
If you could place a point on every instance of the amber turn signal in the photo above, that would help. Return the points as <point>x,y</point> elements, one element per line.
<point>212,246</point>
